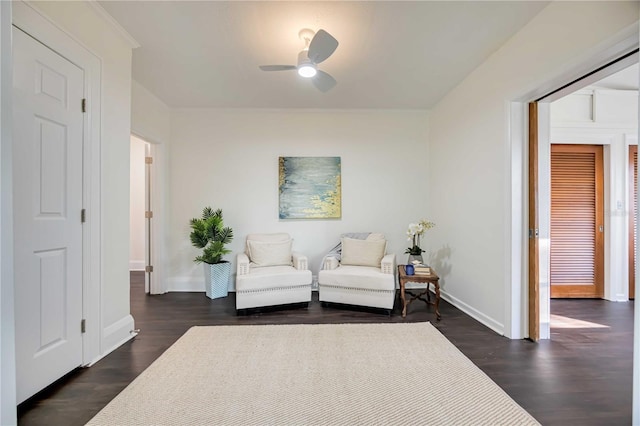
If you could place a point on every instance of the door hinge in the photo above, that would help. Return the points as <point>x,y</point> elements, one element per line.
<point>148,160</point>
<point>534,233</point>
<point>83,215</point>
<point>148,214</point>
<point>83,326</point>
<point>148,268</point>
<point>84,105</point>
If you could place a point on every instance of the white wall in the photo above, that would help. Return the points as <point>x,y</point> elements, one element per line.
<point>137,194</point>
<point>83,22</point>
<point>150,117</point>
<point>470,162</point>
<point>228,159</point>
<point>609,118</point>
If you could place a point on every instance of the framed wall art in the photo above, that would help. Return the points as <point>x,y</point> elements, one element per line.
<point>310,188</point>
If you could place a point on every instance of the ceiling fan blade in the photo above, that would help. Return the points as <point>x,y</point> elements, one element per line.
<point>323,81</point>
<point>277,67</point>
<point>322,46</point>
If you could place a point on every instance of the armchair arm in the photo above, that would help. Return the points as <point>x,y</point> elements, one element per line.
<point>388,264</point>
<point>300,261</point>
<point>243,264</point>
<point>330,262</point>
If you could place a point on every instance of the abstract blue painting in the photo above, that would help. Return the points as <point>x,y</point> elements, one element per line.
<point>310,188</point>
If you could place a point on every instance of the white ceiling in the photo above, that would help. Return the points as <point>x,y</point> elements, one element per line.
<point>392,54</point>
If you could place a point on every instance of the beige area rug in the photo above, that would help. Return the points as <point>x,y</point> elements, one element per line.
<point>344,374</point>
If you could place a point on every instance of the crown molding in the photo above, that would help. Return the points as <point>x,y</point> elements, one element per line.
<point>115,24</point>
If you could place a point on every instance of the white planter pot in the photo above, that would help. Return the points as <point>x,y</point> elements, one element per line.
<point>216,279</point>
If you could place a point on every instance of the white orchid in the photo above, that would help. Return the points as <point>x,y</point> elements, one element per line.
<point>414,232</point>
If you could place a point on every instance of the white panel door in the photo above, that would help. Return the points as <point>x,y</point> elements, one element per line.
<point>47,181</point>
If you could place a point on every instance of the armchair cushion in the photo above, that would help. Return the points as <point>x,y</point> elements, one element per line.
<point>357,277</point>
<point>362,252</point>
<point>274,278</point>
<point>264,253</point>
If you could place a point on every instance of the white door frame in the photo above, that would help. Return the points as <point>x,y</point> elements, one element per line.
<point>30,20</point>
<point>158,207</point>
<point>516,315</point>
<point>8,413</point>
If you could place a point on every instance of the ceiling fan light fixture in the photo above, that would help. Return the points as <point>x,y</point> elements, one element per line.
<point>318,47</point>
<point>307,70</point>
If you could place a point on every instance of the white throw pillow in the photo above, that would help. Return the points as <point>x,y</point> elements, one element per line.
<point>375,236</point>
<point>362,252</point>
<point>263,253</point>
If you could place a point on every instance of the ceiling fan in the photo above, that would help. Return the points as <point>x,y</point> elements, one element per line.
<point>318,47</point>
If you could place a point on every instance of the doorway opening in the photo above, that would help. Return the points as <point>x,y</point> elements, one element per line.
<point>589,117</point>
<point>140,213</point>
<point>596,255</point>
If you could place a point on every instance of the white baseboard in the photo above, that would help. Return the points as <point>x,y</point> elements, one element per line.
<point>136,265</point>
<point>620,297</point>
<point>185,284</point>
<point>191,284</point>
<point>474,313</point>
<point>115,336</point>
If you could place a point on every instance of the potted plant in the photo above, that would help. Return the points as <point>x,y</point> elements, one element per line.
<point>414,232</point>
<point>209,234</point>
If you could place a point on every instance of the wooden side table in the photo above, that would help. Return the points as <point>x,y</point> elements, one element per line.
<point>427,279</point>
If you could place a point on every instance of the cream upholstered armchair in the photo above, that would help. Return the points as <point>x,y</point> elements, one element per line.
<point>361,274</point>
<point>269,273</point>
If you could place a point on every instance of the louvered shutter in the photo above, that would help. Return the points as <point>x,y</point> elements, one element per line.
<point>633,224</point>
<point>575,220</point>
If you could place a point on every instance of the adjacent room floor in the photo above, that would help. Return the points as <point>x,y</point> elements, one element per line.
<point>581,377</point>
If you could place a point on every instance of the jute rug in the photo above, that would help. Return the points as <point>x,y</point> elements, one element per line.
<point>346,374</point>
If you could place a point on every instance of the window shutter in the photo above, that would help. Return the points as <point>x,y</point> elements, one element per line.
<point>575,219</point>
<point>633,224</point>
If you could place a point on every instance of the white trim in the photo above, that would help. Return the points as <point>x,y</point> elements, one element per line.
<point>158,207</point>
<point>158,204</point>
<point>30,20</point>
<point>583,137</point>
<point>474,313</point>
<point>115,335</point>
<point>8,415</point>
<point>635,416</point>
<point>179,284</point>
<point>137,265</point>
<point>190,284</point>
<point>544,219</point>
<point>114,24</point>
<point>516,296</point>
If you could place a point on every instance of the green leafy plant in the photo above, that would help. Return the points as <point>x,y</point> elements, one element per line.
<point>210,234</point>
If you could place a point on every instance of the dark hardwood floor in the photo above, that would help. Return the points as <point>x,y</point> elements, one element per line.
<point>581,377</point>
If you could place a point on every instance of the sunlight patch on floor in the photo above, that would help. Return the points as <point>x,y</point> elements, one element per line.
<point>558,321</point>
